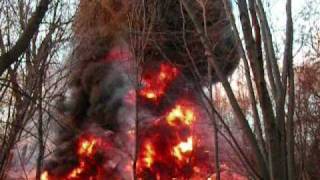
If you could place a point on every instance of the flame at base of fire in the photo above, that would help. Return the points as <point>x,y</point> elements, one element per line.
<point>89,166</point>
<point>169,148</point>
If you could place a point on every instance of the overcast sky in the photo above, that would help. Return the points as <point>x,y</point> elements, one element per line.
<point>277,15</point>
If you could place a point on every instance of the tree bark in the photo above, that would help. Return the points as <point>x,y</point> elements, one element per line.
<point>289,75</point>
<point>23,42</point>
<point>268,45</point>
<point>273,133</point>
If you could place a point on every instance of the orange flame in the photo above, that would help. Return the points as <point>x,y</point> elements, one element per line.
<point>168,145</point>
<point>183,148</point>
<point>87,167</point>
<point>149,154</point>
<point>180,113</point>
<point>77,171</point>
<point>86,147</point>
<point>44,176</point>
<point>155,84</point>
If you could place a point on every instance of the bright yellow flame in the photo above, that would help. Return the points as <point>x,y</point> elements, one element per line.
<point>77,171</point>
<point>149,154</point>
<point>86,147</point>
<point>182,148</point>
<point>44,176</point>
<point>182,114</point>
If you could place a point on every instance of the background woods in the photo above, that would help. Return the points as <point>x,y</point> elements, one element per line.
<point>265,115</point>
<point>33,41</point>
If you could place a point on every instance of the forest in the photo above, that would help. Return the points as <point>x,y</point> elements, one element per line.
<point>159,90</point>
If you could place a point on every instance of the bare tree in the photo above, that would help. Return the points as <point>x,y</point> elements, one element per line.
<point>273,148</point>
<point>12,55</point>
<point>33,79</point>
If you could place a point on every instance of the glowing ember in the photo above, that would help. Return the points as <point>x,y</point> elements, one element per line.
<point>155,84</point>
<point>180,114</point>
<point>182,148</point>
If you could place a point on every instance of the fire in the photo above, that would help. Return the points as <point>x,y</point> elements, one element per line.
<point>167,145</point>
<point>183,148</point>
<point>156,83</point>
<point>77,171</point>
<point>86,152</point>
<point>149,154</point>
<point>88,166</point>
<point>44,176</point>
<point>166,148</point>
<point>86,147</point>
<point>181,114</point>
<point>150,95</point>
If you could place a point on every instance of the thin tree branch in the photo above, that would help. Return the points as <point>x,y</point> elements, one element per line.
<point>232,99</point>
<point>23,42</point>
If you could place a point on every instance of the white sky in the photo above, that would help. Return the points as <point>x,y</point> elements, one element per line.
<point>277,16</point>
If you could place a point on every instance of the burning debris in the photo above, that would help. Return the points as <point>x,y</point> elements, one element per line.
<point>160,124</point>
